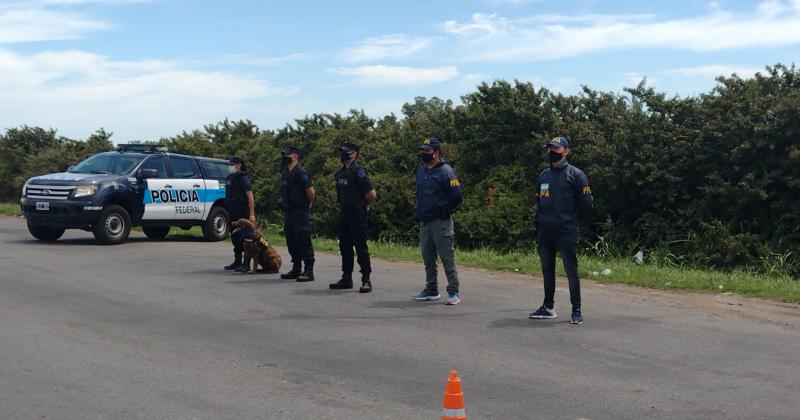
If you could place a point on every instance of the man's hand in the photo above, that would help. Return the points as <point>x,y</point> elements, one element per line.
<point>253,219</point>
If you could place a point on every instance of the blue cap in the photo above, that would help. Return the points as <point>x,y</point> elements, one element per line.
<point>559,142</point>
<point>431,143</point>
<point>235,159</point>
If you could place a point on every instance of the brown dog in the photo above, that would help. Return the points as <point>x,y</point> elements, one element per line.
<point>258,250</point>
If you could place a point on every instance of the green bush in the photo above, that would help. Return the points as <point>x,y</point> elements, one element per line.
<point>707,181</point>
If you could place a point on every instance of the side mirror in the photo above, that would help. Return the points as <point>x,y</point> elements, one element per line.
<point>148,173</point>
<point>70,168</point>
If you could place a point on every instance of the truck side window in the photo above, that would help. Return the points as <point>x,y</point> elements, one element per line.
<point>184,168</point>
<point>216,170</point>
<point>157,163</point>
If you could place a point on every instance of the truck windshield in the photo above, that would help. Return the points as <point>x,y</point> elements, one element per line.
<point>115,164</point>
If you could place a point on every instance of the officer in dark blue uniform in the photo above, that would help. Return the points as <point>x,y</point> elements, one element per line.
<point>240,204</point>
<point>562,196</point>
<point>298,196</point>
<point>438,195</point>
<point>355,194</point>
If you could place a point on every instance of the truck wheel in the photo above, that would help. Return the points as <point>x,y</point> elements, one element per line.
<point>156,232</point>
<point>113,226</point>
<point>44,233</point>
<point>215,227</point>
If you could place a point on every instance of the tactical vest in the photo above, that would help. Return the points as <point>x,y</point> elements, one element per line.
<point>348,190</point>
<point>293,192</point>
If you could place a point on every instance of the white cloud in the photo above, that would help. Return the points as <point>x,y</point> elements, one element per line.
<point>489,37</point>
<point>771,7</point>
<point>77,90</point>
<point>26,25</point>
<point>38,3</point>
<point>389,46</point>
<point>713,71</point>
<point>265,61</point>
<point>481,25</point>
<point>381,75</point>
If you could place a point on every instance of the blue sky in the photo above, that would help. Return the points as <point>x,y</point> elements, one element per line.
<point>151,68</point>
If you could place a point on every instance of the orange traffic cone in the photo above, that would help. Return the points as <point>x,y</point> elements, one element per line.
<point>453,406</point>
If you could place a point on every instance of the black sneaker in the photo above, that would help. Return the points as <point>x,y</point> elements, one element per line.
<point>543,313</point>
<point>576,317</point>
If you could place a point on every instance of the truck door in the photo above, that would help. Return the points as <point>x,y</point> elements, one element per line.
<point>155,196</point>
<point>188,189</point>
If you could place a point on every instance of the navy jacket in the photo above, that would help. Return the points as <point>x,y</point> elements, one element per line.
<point>439,192</point>
<point>293,189</point>
<point>351,185</point>
<point>236,187</point>
<point>562,197</point>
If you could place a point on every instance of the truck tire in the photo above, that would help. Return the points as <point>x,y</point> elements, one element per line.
<point>113,226</point>
<point>156,232</point>
<point>44,233</point>
<point>215,227</point>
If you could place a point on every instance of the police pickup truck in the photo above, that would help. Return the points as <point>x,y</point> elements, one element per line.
<point>136,185</point>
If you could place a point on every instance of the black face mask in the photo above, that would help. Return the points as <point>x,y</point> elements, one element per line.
<point>286,159</point>
<point>426,157</point>
<point>345,156</point>
<point>554,156</point>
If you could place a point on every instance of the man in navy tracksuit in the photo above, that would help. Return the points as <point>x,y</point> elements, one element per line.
<point>562,196</point>
<point>438,195</point>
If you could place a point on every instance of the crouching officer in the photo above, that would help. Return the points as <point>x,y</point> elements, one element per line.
<point>438,195</point>
<point>298,195</point>
<point>240,204</point>
<point>562,196</point>
<point>355,194</point>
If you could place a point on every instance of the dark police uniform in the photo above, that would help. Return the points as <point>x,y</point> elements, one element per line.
<point>439,193</point>
<point>562,196</point>
<point>237,185</point>
<point>352,184</point>
<point>296,224</point>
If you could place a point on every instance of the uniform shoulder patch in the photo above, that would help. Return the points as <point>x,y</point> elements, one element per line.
<point>361,173</point>
<point>587,190</point>
<point>454,183</point>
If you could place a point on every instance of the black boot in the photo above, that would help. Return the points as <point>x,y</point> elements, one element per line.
<point>295,273</point>
<point>346,282</point>
<point>308,273</point>
<point>237,261</point>
<point>366,284</point>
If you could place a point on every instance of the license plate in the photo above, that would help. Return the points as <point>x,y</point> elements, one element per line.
<point>43,206</point>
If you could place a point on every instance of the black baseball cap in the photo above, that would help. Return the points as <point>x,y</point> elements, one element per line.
<point>289,149</point>
<point>349,147</point>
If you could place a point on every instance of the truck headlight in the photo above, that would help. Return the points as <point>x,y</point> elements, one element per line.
<point>25,190</point>
<point>85,190</point>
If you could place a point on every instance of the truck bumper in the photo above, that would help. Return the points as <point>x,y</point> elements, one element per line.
<point>68,214</point>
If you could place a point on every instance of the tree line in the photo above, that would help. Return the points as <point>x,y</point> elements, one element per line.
<point>710,180</point>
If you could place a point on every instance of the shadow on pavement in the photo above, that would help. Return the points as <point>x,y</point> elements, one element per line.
<point>523,322</point>
<point>91,241</point>
<point>403,304</point>
<point>255,279</point>
<point>324,292</point>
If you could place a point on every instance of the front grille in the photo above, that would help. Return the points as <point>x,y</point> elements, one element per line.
<point>49,192</point>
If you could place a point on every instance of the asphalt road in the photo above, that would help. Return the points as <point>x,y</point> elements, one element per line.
<point>156,330</point>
